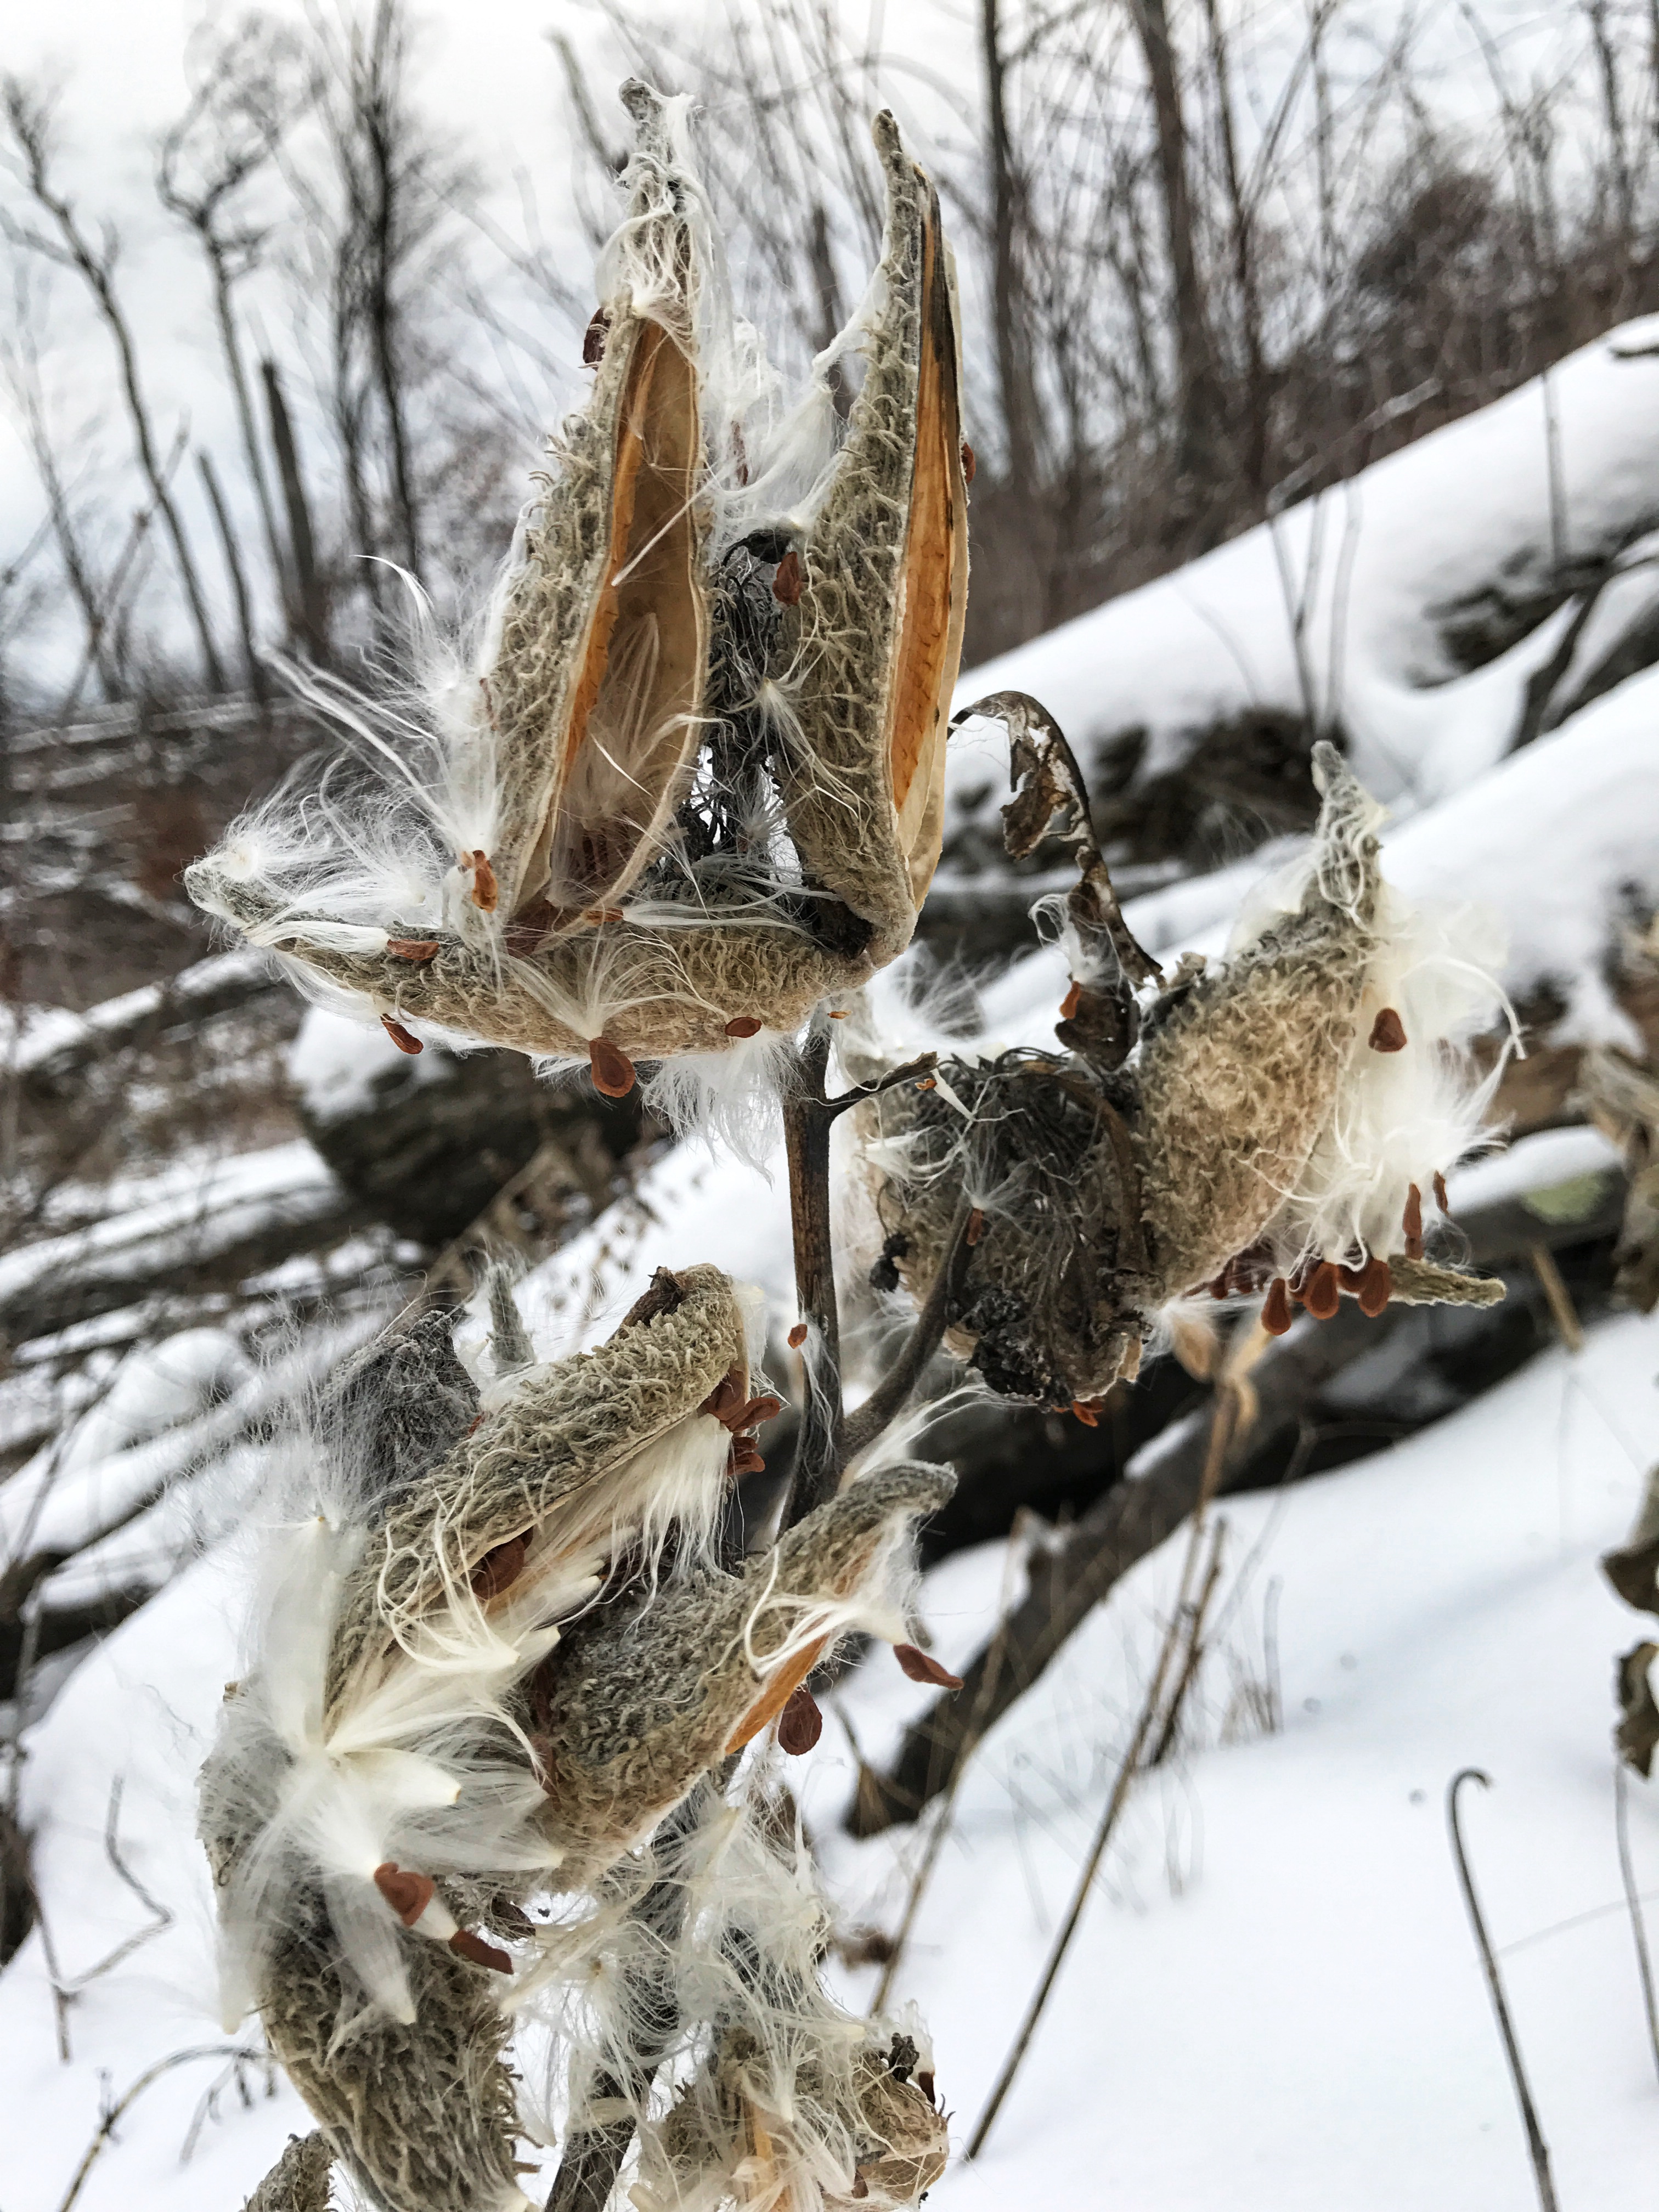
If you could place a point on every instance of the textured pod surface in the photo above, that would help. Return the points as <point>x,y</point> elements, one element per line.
<point>423,2115</point>
<point>641,1697</point>
<point>1240,1075</point>
<point>1055,1286</point>
<point>538,1464</point>
<point>691,782</point>
<point>373,1796</point>
<point>885,586</point>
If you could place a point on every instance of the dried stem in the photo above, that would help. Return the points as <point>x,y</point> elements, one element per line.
<point>1222,1425</point>
<point>891,1394</point>
<point>1535,2143</point>
<point>1562,1310</point>
<point>114,2113</point>
<point>1637,1929</point>
<point>806,1126</point>
<point>1194,1653</point>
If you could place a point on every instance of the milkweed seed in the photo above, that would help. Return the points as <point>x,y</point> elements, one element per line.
<point>613,1071</point>
<point>922,1666</point>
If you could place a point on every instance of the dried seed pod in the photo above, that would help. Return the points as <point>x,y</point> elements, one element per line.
<point>615,771</point>
<point>1254,1133</point>
<point>641,1696</point>
<point>374,1788</point>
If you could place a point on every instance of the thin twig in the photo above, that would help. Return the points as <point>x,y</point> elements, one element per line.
<point>64,1993</point>
<point>912,1070</point>
<point>1563,1312</point>
<point>113,2112</point>
<point>1194,1653</point>
<point>1222,1424</point>
<point>1637,1929</point>
<point>1535,2143</point>
<point>891,1394</point>
<point>806,1128</point>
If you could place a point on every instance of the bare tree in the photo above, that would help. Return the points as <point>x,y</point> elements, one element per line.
<point>254,89</point>
<point>28,121</point>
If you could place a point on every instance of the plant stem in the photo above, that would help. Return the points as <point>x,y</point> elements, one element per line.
<point>1639,1931</point>
<point>1535,2143</point>
<point>1222,1425</point>
<point>806,1126</point>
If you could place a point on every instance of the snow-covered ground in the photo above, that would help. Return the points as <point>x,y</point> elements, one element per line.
<point>1274,2001</point>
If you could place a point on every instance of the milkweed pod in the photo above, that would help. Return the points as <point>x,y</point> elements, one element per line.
<point>596,684</point>
<point>885,589</point>
<point>643,1696</point>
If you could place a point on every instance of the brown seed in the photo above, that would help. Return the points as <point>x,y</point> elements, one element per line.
<point>925,1084</point>
<point>599,915</point>
<point>1220,1284</point>
<point>1375,1284</point>
<point>787,584</point>
<point>861,2188</point>
<point>1087,1411</point>
<point>593,337</point>
<point>1440,1197</point>
<point>727,1396</point>
<point>1071,1002</point>
<point>838,1013</point>
<point>744,1458</point>
<point>921,1666</point>
<point>400,1036</point>
<point>745,1025</point>
<point>412,948</point>
<point>1276,1307</point>
<point>1387,1032</point>
<point>976,1225</point>
<point>969,466</point>
<point>613,1071</point>
<point>798,1336</point>
<point>499,1569</point>
<point>1323,1296</point>
<point>408,1894</point>
<point>800,1723</point>
<point>925,2083</point>
<point>1412,1222</point>
<point>485,889</point>
<point>466,1944</point>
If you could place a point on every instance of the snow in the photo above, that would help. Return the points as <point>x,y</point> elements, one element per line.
<point>1380,561</point>
<point>1274,2001</point>
<point>208,1207</point>
<point>339,1067</point>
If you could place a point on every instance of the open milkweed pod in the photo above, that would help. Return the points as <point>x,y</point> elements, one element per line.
<point>885,592</point>
<point>792,2105</point>
<point>692,780</point>
<point>1286,1118</point>
<point>1057,1279</point>
<point>373,1788</point>
<point>643,1696</point>
<point>1301,1105</point>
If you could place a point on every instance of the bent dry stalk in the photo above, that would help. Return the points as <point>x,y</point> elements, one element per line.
<point>1535,2144</point>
